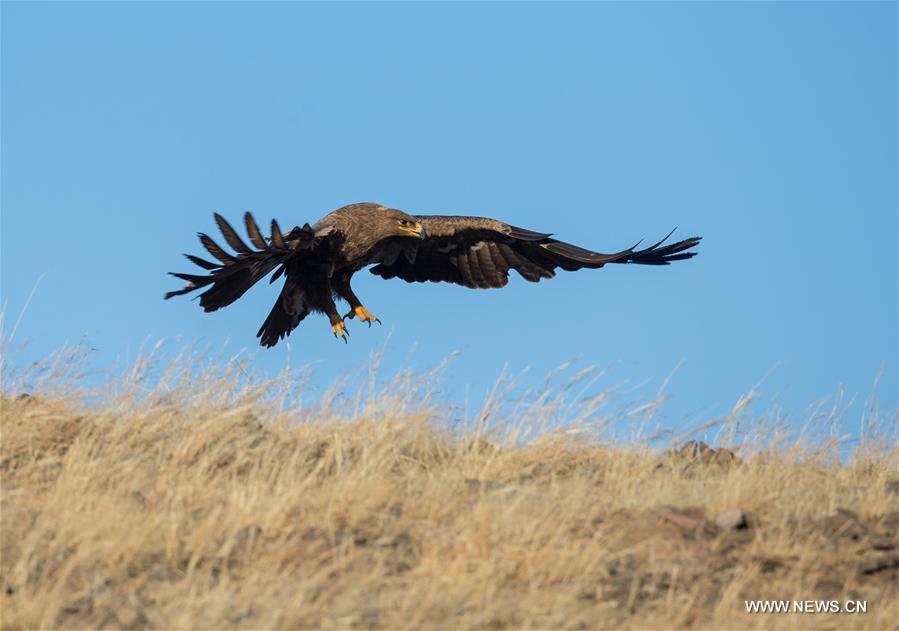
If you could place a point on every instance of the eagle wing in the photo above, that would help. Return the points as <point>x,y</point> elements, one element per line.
<point>478,252</point>
<point>233,274</point>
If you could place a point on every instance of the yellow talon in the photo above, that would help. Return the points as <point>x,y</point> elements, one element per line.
<point>339,329</point>
<point>365,315</point>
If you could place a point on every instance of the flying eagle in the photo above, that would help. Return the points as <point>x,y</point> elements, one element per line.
<point>319,261</point>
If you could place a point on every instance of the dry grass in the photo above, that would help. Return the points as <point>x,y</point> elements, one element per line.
<point>210,504</point>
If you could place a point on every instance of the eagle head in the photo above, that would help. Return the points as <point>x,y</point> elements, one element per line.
<point>400,224</point>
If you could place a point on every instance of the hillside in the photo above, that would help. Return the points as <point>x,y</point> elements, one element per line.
<point>169,512</point>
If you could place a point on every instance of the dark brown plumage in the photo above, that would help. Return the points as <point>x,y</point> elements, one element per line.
<point>319,260</point>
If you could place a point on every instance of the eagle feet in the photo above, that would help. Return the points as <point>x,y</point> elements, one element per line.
<point>338,328</point>
<point>363,314</point>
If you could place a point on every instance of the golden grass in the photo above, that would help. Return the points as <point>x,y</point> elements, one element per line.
<point>209,504</point>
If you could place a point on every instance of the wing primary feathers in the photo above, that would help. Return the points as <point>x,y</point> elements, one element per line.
<point>213,248</point>
<point>178,292</point>
<point>231,236</point>
<point>654,246</point>
<point>668,235</point>
<point>254,232</point>
<point>664,255</point>
<point>196,260</point>
<point>235,274</point>
<point>277,237</point>
<point>196,281</point>
<point>193,282</point>
<point>655,254</point>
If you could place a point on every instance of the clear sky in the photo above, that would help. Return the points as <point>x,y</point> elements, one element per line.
<point>769,129</point>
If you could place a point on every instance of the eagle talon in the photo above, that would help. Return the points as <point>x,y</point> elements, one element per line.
<point>364,315</point>
<point>339,329</point>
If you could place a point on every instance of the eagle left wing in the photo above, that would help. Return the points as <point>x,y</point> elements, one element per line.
<point>478,252</point>
<point>233,274</point>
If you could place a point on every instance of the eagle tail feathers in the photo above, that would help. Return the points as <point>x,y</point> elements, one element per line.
<point>281,320</point>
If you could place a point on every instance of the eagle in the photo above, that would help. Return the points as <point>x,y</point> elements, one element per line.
<point>318,261</point>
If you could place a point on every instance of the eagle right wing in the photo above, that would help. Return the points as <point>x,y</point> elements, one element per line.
<point>478,252</point>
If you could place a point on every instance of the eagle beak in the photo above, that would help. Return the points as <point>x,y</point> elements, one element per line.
<point>416,231</point>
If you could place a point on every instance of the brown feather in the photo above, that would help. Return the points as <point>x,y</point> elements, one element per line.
<point>277,237</point>
<point>500,264</point>
<point>528,270</point>
<point>213,248</point>
<point>488,270</point>
<point>461,261</point>
<point>196,260</point>
<point>230,235</point>
<point>254,232</point>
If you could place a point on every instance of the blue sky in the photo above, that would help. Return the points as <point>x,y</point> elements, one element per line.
<point>769,129</point>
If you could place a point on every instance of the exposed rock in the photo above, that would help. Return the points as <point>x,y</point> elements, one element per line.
<point>691,521</point>
<point>725,457</point>
<point>697,450</point>
<point>734,519</point>
<point>696,453</point>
